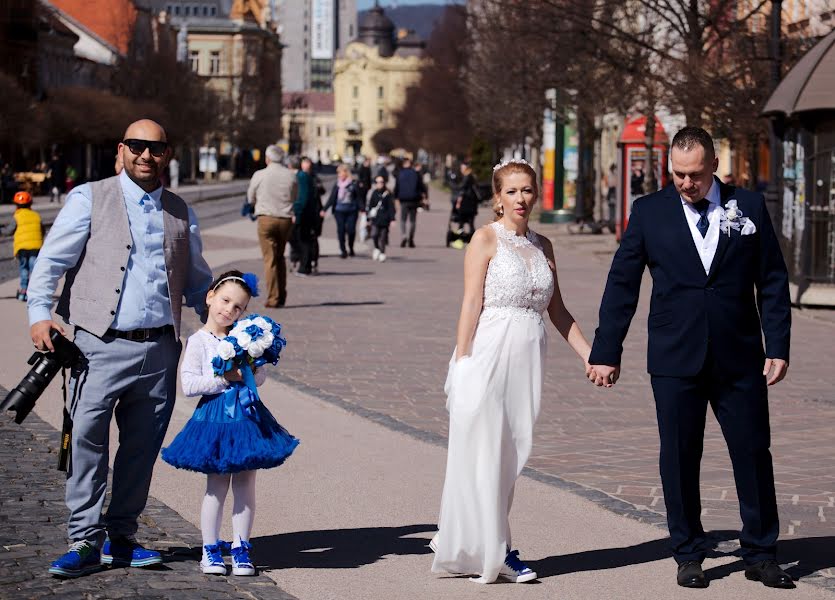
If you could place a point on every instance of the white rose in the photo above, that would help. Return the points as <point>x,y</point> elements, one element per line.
<point>268,338</point>
<point>225,350</point>
<point>244,339</point>
<point>262,323</point>
<point>731,214</point>
<point>255,350</point>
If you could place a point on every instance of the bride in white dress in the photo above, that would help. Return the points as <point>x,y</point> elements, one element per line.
<point>494,382</point>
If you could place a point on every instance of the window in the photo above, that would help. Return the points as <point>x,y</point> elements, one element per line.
<point>187,10</point>
<point>356,92</point>
<point>213,11</point>
<point>380,115</point>
<point>318,131</point>
<point>205,11</point>
<point>177,10</point>
<point>355,115</point>
<point>194,60</point>
<point>380,92</point>
<point>214,62</point>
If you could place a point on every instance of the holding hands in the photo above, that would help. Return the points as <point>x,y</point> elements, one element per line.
<point>602,375</point>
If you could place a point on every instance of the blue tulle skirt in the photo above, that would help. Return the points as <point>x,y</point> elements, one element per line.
<point>222,437</point>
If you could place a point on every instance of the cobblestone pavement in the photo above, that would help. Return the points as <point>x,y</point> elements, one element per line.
<point>33,529</point>
<point>377,338</point>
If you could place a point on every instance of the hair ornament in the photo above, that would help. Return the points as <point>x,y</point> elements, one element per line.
<point>250,280</point>
<point>517,161</point>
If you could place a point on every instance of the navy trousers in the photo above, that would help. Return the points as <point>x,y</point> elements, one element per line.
<point>740,403</point>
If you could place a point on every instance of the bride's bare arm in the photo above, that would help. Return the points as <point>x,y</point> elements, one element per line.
<point>481,249</point>
<point>560,317</point>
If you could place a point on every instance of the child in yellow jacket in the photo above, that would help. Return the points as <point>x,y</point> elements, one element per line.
<point>28,239</point>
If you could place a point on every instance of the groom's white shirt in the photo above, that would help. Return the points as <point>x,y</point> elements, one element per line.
<point>706,246</point>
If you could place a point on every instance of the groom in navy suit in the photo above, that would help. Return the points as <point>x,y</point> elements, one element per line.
<point>719,284</point>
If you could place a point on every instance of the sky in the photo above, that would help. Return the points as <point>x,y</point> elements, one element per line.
<point>366,4</point>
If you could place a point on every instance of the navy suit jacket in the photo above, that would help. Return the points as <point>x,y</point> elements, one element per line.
<point>725,312</point>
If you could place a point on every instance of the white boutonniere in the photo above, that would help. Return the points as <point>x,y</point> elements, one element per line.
<point>731,217</point>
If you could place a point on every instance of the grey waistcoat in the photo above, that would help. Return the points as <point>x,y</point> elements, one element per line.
<point>92,288</point>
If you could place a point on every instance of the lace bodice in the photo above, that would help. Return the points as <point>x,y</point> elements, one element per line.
<point>519,279</point>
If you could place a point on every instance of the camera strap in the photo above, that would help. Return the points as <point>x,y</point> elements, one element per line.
<point>65,451</point>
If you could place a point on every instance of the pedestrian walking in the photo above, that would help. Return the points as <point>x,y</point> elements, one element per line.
<point>466,206</point>
<point>381,213</point>
<point>364,179</point>
<point>28,238</point>
<point>710,247</point>
<point>409,193</point>
<point>174,172</point>
<point>306,215</point>
<point>318,219</point>
<point>272,190</point>
<point>231,434</point>
<point>131,253</point>
<point>494,381</point>
<point>57,176</point>
<point>345,204</point>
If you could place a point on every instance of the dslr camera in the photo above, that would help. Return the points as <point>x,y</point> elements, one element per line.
<point>45,365</point>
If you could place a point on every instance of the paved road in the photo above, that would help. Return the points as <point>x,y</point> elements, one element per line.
<point>361,384</point>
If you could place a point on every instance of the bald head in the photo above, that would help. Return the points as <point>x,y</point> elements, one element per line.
<point>145,129</point>
<point>145,154</point>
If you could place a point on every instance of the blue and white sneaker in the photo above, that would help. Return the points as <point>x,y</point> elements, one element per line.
<point>212,561</point>
<point>241,563</point>
<point>82,558</point>
<point>224,547</point>
<point>127,552</point>
<point>514,570</point>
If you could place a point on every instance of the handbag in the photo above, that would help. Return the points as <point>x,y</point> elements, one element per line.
<point>248,210</point>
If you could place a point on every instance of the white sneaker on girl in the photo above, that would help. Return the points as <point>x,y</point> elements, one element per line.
<point>212,562</point>
<point>241,563</point>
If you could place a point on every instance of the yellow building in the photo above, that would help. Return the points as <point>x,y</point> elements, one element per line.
<point>370,78</point>
<point>308,124</point>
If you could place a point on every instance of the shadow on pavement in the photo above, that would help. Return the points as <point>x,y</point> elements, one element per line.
<point>346,274</point>
<point>810,555</point>
<point>321,304</point>
<point>339,548</point>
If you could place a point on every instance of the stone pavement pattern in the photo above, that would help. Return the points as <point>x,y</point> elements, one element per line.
<point>379,337</point>
<point>33,529</point>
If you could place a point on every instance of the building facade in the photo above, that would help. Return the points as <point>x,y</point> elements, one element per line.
<point>312,32</point>
<point>370,78</point>
<point>308,123</point>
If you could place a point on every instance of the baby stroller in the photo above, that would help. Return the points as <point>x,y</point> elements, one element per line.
<point>460,227</point>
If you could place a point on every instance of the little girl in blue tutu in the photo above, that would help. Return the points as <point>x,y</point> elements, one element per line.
<point>231,433</point>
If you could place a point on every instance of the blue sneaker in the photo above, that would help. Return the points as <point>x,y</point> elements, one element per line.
<point>83,558</point>
<point>514,570</point>
<point>212,562</point>
<point>224,547</point>
<point>241,563</point>
<point>127,552</point>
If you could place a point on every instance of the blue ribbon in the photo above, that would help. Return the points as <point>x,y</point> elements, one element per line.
<point>248,395</point>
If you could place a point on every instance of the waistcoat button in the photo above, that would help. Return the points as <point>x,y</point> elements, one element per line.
<point>118,291</point>
<point>122,268</point>
<point>128,246</point>
<point>112,312</point>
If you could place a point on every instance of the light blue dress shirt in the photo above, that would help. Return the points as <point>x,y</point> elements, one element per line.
<point>144,301</point>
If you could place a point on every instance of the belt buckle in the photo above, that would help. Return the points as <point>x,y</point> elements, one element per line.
<point>140,335</point>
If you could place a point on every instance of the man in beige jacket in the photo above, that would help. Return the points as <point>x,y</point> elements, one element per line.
<point>272,191</point>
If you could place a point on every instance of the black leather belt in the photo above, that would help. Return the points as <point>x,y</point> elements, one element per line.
<point>140,335</point>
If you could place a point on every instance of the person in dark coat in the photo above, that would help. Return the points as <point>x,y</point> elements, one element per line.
<point>380,213</point>
<point>720,287</point>
<point>306,215</point>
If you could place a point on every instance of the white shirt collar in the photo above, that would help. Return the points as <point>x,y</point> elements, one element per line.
<point>713,196</point>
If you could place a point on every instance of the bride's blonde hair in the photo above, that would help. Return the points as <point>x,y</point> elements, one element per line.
<point>508,168</point>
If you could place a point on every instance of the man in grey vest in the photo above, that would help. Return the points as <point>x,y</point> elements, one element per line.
<point>130,252</point>
<point>273,190</point>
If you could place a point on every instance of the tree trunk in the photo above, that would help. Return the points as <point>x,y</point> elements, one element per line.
<point>650,179</point>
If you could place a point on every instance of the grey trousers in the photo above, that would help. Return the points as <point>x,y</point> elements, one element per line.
<point>136,381</point>
<point>408,212</point>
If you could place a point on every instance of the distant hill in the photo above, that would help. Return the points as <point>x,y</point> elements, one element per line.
<point>420,17</point>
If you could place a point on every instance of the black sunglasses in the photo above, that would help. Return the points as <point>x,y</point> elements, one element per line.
<point>138,147</point>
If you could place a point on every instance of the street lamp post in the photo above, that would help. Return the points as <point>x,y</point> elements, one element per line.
<point>775,143</point>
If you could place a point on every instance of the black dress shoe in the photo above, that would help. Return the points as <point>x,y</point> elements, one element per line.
<point>690,575</point>
<point>769,573</point>
<point>403,242</point>
<point>411,243</point>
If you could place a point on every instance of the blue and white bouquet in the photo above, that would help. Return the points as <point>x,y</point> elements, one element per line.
<point>252,343</point>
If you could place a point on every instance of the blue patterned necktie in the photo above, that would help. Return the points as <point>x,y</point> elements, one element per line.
<point>702,206</point>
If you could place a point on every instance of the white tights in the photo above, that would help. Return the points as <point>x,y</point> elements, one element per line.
<point>243,508</point>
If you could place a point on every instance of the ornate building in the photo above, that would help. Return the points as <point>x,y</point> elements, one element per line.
<point>370,78</point>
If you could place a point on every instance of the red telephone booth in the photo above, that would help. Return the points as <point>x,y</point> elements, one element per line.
<point>632,160</point>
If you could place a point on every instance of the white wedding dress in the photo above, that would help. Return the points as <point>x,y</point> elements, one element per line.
<point>493,398</point>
